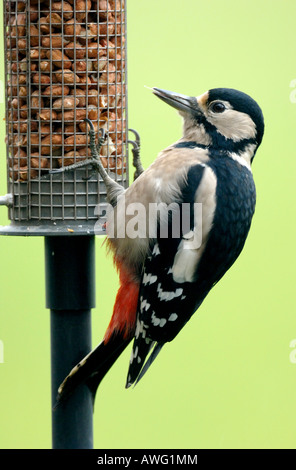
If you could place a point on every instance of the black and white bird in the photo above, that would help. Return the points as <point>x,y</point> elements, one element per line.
<point>166,271</point>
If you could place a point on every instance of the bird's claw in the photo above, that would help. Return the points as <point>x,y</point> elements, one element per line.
<point>137,164</point>
<point>95,149</point>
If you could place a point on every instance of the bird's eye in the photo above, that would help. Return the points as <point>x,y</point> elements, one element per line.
<point>217,107</point>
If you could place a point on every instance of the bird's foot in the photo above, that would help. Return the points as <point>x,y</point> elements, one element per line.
<point>94,162</point>
<point>137,164</point>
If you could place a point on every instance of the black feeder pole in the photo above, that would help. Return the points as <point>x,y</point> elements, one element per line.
<point>70,296</point>
<point>43,135</point>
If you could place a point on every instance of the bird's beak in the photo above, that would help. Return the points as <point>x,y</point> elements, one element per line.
<point>176,100</point>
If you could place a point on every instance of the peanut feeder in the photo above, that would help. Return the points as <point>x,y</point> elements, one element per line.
<point>65,62</point>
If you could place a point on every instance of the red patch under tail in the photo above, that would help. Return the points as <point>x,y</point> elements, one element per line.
<point>125,308</point>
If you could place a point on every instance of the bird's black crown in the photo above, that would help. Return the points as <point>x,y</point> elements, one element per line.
<point>241,102</point>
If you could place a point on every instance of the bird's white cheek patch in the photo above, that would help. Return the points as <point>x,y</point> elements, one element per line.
<point>234,125</point>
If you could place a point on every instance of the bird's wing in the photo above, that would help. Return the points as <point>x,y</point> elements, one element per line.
<point>167,299</point>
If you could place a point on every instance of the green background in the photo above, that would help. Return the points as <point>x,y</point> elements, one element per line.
<point>227,380</point>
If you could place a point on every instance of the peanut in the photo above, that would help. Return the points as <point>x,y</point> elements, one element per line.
<point>81,7</point>
<point>15,103</point>
<point>93,97</point>
<point>34,140</point>
<point>47,115</point>
<point>45,65</point>
<point>85,152</point>
<point>56,90</point>
<point>20,157</point>
<point>19,26</point>
<point>22,45</point>
<point>59,59</point>
<point>24,112</point>
<point>54,19</point>
<point>24,174</point>
<point>70,129</point>
<point>75,50</point>
<point>65,103</point>
<point>72,115</point>
<point>84,81</point>
<point>105,10</point>
<point>84,37</point>
<point>92,50</point>
<point>36,101</point>
<point>37,162</point>
<point>33,13</point>
<point>79,67</point>
<point>44,129</point>
<point>93,113</point>
<point>80,95</point>
<point>23,65</point>
<point>71,142</point>
<point>84,127</point>
<point>37,54</point>
<point>115,4</point>
<point>41,79</point>
<point>108,75</point>
<point>54,40</point>
<point>22,79</point>
<point>34,36</point>
<point>51,141</point>
<point>22,91</point>
<point>106,29</point>
<point>66,76</point>
<point>71,29</point>
<point>64,8</point>
<point>44,26</point>
<point>70,158</point>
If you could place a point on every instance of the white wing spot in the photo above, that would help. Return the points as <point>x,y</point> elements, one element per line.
<point>155,321</point>
<point>173,317</point>
<point>144,305</point>
<point>140,329</point>
<point>158,321</point>
<point>149,279</point>
<point>165,295</point>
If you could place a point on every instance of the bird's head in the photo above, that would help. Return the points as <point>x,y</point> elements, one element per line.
<point>221,118</point>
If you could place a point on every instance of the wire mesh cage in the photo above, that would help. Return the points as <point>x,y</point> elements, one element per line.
<point>65,62</point>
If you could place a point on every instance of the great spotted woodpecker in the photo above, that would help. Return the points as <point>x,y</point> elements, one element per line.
<point>164,274</point>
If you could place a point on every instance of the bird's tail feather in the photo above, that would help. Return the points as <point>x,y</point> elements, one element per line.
<point>156,350</point>
<point>139,365</point>
<point>92,369</point>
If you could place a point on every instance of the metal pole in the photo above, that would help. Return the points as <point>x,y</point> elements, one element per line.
<point>70,295</point>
